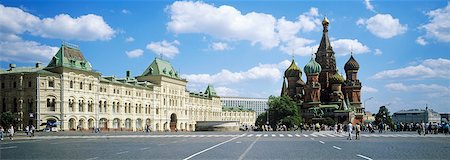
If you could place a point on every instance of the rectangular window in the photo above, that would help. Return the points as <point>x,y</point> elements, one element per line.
<point>71,84</point>
<point>29,84</point>
<point>51,83</point>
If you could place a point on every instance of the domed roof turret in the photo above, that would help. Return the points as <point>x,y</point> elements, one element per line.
<point>336,79</point>
<point>312,67</point>
<point>293,70</point>
<point>351,64</point>
<point>325,21</point>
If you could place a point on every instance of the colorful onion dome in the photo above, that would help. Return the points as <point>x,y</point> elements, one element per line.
<point>351,64</point>
<point>312,67</point>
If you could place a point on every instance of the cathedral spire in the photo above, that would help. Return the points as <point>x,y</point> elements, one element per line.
<point>325,42</point>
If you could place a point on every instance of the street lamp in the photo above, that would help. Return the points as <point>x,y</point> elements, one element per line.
<point>367,100</point>
<point>267,116</point>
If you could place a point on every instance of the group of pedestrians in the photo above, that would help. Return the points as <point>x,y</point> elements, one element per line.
<point>357,129</point>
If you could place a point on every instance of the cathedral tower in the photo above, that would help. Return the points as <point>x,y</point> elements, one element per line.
<point>295,84</point>
<point>312,87</point>
<point>352,85</point>
<point>325,57</point>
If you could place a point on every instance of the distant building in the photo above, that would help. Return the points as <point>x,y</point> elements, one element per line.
<point>244,116</point>
<point>416,116</point>
<point>368,117</point>
<point>445,117</point>
<point>259,105</point>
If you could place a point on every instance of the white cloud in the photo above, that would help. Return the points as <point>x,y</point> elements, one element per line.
<point>262,71</point>
<point>220,46</point>
<point>26,51</point>
<point>420,40</point>
<point>87,27</point>
<point>224,22</point>
<point>228,23</point>
<point>129,39</point>
<point>430,68</point>
<point>433,90</point>
<point>224,91</point>
<point>378,52</point>
<point>299,46</point>
<point>367,89</point>
<point>343,47</point>
<point>369,6</point>
<point>439,25</point>
<point>135,53</point>
<point>125,11</point>
<point>168,49</point>
<point>383,25</point>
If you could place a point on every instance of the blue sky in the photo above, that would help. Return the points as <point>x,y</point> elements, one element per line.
<point>243,47</point>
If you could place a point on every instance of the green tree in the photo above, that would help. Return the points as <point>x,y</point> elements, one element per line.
<point>261,120</point>
<point>283,111</point>
<point>7,119</point>
<point>383,116</point>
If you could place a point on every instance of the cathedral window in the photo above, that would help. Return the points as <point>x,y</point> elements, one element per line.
<point>51,83</point>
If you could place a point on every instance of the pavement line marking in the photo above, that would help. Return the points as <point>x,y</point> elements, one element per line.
<point>289,135</point>
<point>312,139</point>
<point>305,135</point>
<point>322,142</point>
<point>9,147</point>
<point>122,152</point>
<point>248,149</point>
<point>273,135</point>
<point>330,135</point>
<point>144,148</point>
<point>322,135</point>
<point>250,135</point>
<point>258,135</point>
<point>337,148</point>
<point>313,135</point>
<point>281,135</point>
<point>368,158</point>
<point>265,135</point>
<point>297,135</point>
<point>92,158</point>
<point>207,149</point>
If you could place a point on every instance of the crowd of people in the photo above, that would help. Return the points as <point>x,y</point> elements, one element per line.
<point>10,132</point>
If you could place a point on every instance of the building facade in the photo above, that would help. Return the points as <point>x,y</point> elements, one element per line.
<point>69,94</point>
<point>259,105</point>
<point>244,116</point>
<point>416,116</point>
<point>326,94</point>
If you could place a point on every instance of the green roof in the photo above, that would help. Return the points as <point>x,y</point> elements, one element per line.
<point>161,67</point>
<point>70,56</point>
<point>312,67</point>
<point>210,91</point>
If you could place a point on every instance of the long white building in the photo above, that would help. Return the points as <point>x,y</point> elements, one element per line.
<point>259,105</point>
<point>70,94</point>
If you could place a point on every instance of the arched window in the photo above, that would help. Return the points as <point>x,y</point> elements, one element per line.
<point>104,106</point>
<point>71,105</point>
<point>114,107</point>
<point>80,105</point>
<point>90,106</point>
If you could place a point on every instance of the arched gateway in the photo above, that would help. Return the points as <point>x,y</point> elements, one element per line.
<point>173,122</point>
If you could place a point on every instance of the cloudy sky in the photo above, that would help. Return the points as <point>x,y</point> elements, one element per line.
<point>243,48</point>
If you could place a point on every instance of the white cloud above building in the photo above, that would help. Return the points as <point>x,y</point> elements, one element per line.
<point>383,26</point>
<point>134,53</point>
<point>168,49</point>
<point>429,68</point>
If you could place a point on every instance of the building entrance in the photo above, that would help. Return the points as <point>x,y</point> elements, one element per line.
<point>173,122</point>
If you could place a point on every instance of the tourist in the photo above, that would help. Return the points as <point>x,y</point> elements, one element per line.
<point>358,130</point>
<point>335,128</point>
<point>27,130</point>
<point>423,127</point>
<point>33,129</point>
<point>11,132</point>
<point>349,130</point>
<point>1,133</point>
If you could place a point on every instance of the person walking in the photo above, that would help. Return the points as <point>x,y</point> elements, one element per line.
<point>11,132</point>
<point>1,133</point>
<point>349,130</point>
<point>33,129</point>
<point>27,130</point>
<point>358,131</point>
